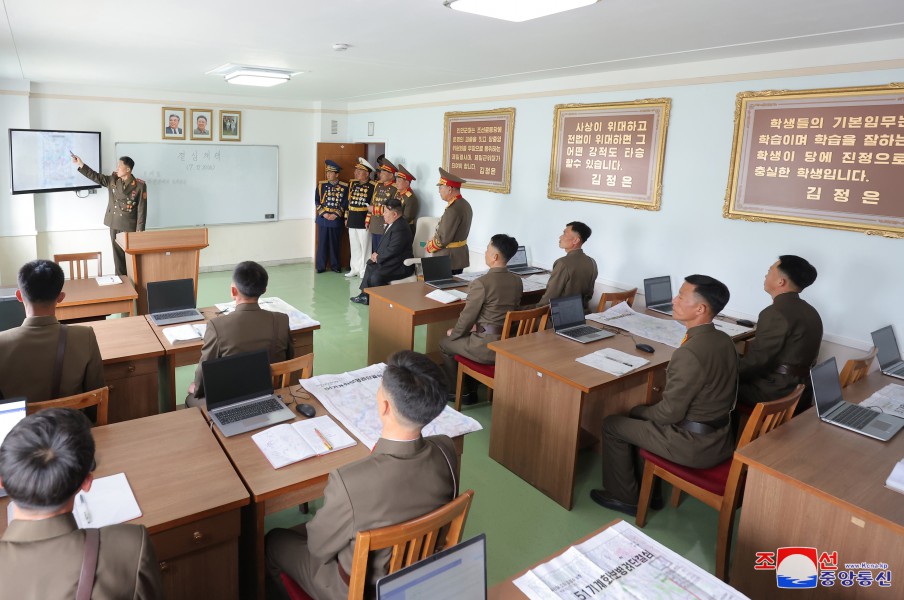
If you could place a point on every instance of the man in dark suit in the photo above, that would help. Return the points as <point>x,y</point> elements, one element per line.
<point>46,459</point>
<point>406,476</point>
<point>387,263</point>
<point>691,424</point>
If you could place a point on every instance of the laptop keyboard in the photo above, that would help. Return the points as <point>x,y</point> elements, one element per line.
<point>176,314</point>
<point>897,369</point>
<point>855,416</point>
<point>249,410</point>
<point>581,330</point>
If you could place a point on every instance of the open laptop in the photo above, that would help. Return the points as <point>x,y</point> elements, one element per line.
<point>887,352</point>
<point>12,313</point>
<point>239,393</point>
<point>518,263</point>
<point>11,412</point>
<point>171,302</point>
<point>438,272</point>
<point>831,408</point>
<point>657,292</point>
<point>457,573</point>
<point>568,320</point>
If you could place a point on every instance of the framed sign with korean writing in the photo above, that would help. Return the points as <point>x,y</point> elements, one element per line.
<point>477,146</point>
<point>610,153</point>
<point>825,158</point>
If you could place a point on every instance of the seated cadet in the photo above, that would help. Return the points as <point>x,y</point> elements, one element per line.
<point>406,476</point>
<point>387,263</point>
<point>690,425</point>
<point>46,459</point>
<point>788,334</point>
<point>44,359</point>
<point>247,328</point>
<point>575,273</point>
<point>490,297</point>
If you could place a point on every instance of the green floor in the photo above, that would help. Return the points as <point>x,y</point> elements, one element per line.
<point>521,524</point>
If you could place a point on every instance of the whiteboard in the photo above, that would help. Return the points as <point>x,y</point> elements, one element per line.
<point>206,184</point>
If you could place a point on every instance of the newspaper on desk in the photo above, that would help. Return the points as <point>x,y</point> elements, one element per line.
<point>732,329</point>
<point>297,319</point>
<point>352,399</point>
<point>889,400</point>
<point>612,361</point>
<point>664,331</point>
<point>621,562</point>
<point>471,275</point>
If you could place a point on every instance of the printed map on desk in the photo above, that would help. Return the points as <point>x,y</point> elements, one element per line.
<point>297,319</point>
<point>622,562</point>
<point>352,398</point>
<point>889,399</point>
<point>664,331</point>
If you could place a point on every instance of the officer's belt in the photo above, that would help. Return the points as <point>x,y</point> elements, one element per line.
<point>703,428</point>
<point>792,370</point>
<point>357,208</point>
<point>489,328</point>
<point>456,244</point>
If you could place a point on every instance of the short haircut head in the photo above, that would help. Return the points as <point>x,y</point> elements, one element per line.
<point>801,273</point>
<point>46,457</point>
<point>581,229</point>
<point>714,293</point>
<point>41,281</point>
<point>127,161</point>
<point>506,244</point>
<point>393,204</point>
<point>250,279</point>
<point>416,386</point>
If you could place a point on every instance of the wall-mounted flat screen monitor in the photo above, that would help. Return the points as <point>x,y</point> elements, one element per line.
<point>40,160</point>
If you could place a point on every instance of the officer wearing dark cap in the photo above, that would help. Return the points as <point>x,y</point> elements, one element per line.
<point>410,202</point>
<point>385,191</point>
<point>331,201</point>
<point>451,237</point>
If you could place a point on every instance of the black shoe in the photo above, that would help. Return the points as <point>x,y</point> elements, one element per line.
<point>604,499</point>
<point>361,299</point>
<point>467,399</point>
<point>321,270</point>
<point>337,270</point>
<point>657,503</point>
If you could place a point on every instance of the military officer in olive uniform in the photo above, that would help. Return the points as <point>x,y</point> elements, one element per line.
<point>361,192</point>
<point>691,424</point>
<point>331,201</point>
<point>127,206</point>
<point>410,202</point>
<point>451,236</point>
<point>385,190</point>
<point>575,273</point>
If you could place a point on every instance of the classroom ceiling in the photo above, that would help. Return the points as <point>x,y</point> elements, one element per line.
<point>401,47</point>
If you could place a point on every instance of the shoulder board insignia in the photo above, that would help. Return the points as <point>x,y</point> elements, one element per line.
<point>343,184</point>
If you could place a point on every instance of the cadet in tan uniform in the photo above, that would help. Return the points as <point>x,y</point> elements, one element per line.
<point>385,191</point>
<point>410,202</point>
<point>360,197</point>
<point>690,425</point>
<point>451,237</point>
<point>489,298</point>
<point>575,273</point>
<point>127,206</point>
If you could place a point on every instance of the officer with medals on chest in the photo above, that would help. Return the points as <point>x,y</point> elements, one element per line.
<point>385,191</point>
<point>451,236</point>
<point>360,196</point>
<point>331,201</point>
<point>410,202</point>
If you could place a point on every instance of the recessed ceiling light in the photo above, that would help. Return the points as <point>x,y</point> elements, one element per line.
<point>254,76</point>
<point>516,10</point>
<point>340,47</point>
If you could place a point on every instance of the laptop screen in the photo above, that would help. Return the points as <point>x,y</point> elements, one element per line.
<point>235,378</point>
<point>566,312</point>
<point>520,258</point>
<point>657,290</point>
<point>12,313</point>
<point>11,412</point>
<point>176,294</point>
<point>459,573</point>
<point>886,347</point>
<point>436,267</point>
<point>826,385</point>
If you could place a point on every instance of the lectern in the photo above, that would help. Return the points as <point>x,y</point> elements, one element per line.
<point>161,255</point>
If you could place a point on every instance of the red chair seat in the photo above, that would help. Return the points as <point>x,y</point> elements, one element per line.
<point>293,589</point>
<point>485,370</point>
<point>712,479</point>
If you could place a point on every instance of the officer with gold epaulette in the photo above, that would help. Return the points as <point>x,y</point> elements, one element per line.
<point>451,237</point>
<point>360,196</point>
<point>127,205</point>
<point>331,201</point>
<point>385,191</point>
<point>410,202</point>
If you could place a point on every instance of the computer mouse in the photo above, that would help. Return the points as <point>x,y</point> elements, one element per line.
<point>645,348</point>
<point>744,323</point>
<point>306,410</point>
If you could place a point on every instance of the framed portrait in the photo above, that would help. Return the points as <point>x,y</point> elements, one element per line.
<point>477,146</point>
<point>173,120</point>
<point>230,126</point>
<point>611,153</point>
<point>201,124</point>
<point>831,157</point>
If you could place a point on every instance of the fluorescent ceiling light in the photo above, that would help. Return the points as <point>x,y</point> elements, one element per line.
<point>256,76</point>
<point>516,10</point>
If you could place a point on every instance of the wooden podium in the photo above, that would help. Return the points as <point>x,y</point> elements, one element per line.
<point>161,255</point>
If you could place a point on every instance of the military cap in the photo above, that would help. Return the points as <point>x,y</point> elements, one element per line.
<point>388,166</point>
<point>447,178</point>
<point>331,166</point>
<point>403,173</point>
<point>363,164</point>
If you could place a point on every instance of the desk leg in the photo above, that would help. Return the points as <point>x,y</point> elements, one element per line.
<point>253,567</point>
<point>167,383</point>
<point>390,329</point>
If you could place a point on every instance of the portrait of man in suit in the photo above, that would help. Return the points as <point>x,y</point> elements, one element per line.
<point>172,123</point>
<point>174,128</point>
<point>201,124</point>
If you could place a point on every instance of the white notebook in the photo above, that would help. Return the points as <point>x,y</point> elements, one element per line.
<point>185,333</point>
<point>447,296</point>
<point>895,480</point>
<point>289,443</point>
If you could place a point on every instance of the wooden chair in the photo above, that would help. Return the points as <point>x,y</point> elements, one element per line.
<point>99,398</point>
<point>517,322</point>
<point>856,368</point>
<point>718,487</point>
<point>613,298</point>
<point>78,263</point>
<point>282,371</point>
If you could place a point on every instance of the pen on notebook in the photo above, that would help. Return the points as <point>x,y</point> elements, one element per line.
<point>85,511</point>
<point>323,439</point>
<point>621,362</point>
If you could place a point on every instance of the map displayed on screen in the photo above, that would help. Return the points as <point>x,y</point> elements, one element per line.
<point>41,162</point>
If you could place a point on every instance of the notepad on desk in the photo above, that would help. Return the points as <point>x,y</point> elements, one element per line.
<point>108,280</point>
<point>185,333</point>
<point>289,443</point>
<point>110,501</point>
<point>612,361</point>
<point>447,296</point>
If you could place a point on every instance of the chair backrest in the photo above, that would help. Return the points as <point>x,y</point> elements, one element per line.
<point>78,263</point>
<point>410,541</point>
<point>856,368</point>
<point>282,371</point>
<point>423,233</point>
<point>613,298</point>
<point>418,270</point>
<point>523,322</point>
<point>99,398</point>
<point>767,416</point>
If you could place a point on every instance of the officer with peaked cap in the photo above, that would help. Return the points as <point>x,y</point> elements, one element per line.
<point>361,192</point>
<point>451,237</point>
<point>331,202</point>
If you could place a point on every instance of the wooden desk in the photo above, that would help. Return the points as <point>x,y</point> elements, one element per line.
<point>190,499</point>
<point>813,484</point>
<point>84,298</point>
<point>132,355</point>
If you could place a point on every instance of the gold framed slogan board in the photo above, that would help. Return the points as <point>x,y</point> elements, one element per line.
<point>477,146</point>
